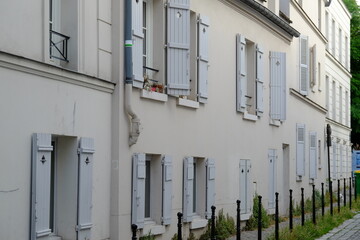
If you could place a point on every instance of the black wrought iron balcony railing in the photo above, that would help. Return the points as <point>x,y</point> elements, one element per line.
<point>59,46</point>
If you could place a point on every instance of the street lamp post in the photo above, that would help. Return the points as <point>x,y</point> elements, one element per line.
<point>328,133</point>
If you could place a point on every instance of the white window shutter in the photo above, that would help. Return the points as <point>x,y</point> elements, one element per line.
<point>313,66</point>
<point>300,149</point>
<point>272,164</point>
<point>210,186</point>
<point>240,73</point>
<point>334,156</point>
<point>188,189</point>
<point>167,189</point>
<point>178,47</point>
<point>249,197</point>
<point>245,196</point>
<point>86,152</point>
<point>304,65</point>
<point>313,155</point>
<point>203,57</point>
<point>278,85</point>
<point>138,42</point>
<point>138,190</point>
<point>40,185</point>
<point>259,80</point>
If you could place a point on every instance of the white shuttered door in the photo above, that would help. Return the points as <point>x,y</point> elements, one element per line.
<point>167,189</point>
<point>178,45</point>
<point>300,149</point>
<point>304,65</point>
<point>138,190</point>
<point>272,168</point>
<point>138,42</point>
<point>86,152</point>
<point>203,57</point>
<point>210,186</point>
<point>278,85</point>
<point>40,192</point>
<point>313,155</point>
<point>240,73</point>
<point>245,196</point>
<point>188,189</point>
<point>259,80</point>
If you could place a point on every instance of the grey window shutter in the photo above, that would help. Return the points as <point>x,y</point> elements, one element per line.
<point>240,73</point>
<point>167,189</point>
<point>138,190</point>
<point>278,85</point>
<point>210,186</point>
<point>40,185</point>
<point>304,65</point>
<point>203,58</point>
<point>334,156</point>
<point>138,42</point>
<point>86,152</point>
<point>245,196</point>
<point>313,155</point>
<point>300,149</point>
<point>188,189</point>
<point>178,47</point>
<point>259,80</point>
<point>248,187</point>
<point>272,168</point>
<point>313,66</point>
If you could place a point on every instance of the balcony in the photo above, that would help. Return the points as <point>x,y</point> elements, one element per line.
<point>58,46</point>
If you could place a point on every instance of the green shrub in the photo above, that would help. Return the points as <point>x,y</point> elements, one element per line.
<point>147,237</point>
<point>224,227</point>
<point>252,223</point>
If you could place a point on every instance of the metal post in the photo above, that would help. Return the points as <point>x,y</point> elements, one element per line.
<point>291,211</point>
<point>238,230</point>
<point>322,200</point>
<point>355,187</point>
<point>213,223</point>
<point>134,229</point>
<point>276,216</point>
<point>179,225</point>
<point>259,219</point>
<point>328,143</point>
<point>331,198</point>
<point>302,208</point>
<point>313,205</point>
<point>344,191</point>
<point>350,180</point>
<point>338,194</point>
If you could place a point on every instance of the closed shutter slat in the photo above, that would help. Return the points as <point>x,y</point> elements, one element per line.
<point>167,189</point>
<point>259,80</point>
<point>300,149</point>
<point>138,42</point>
<point>210,186</point>
<point>188,189</point>
<point>240,73</point>
<point>138,190</point>
<point>203,58</point>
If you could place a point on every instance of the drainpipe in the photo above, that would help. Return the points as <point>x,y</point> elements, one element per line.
<point>327,4</point>
<point>134,120</point>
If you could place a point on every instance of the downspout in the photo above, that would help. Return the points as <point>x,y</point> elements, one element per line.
<point>129,78</point>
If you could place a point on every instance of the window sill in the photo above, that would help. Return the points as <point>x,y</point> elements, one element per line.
<point>298,178</point>
<point>187,103</point>
<point>250,117</point>
<point>275,123</point>
<point>198,222</point>
<point>150,227</point>
<point>311,181</point>
<point>245,216</point>
<point>161,97</point>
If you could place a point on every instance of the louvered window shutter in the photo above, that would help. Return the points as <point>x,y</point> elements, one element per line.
<point>240,73</point>
<point>304,65</point>
<point>313,66</point>
<point>259,81</point>
<point>248,187</point>
<point>245,196</point>
<point>40,192</point>
<point>188,189</point>
<point>278,85</point>
<point>178,45</point>
<point>210,186</point>
<point>167,189</point>
<point>272,162</point>
<point>138,43</point>
<point>300,149</point>
<point>138,190</point>
<point>313,155</point>
<point>86,152</point>
<point>203,58</point>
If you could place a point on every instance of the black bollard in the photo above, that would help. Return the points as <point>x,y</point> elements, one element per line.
<point>238,230</point>
<point>302,208</point>
<point>276,216</point>
<point>133,229</point>
<point>313,205</point>
<point>322,200</point>
<point>179,225</point>
<point>259,219</point>
<point>338,194</point>
<point>344,191</point>
<point>213,223</point>
<point>291,212</point>
<point>350,180</point>
<point>331,198</point>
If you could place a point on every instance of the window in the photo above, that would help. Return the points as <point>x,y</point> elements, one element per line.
<point>319,77</point>
<point>278,86</point>
<point>285,7</point>
<point>346,52</point>
<point>333,37</point>
<point>300,151</point>
<point>347,108</point>
<point>320,2</point>
<point>249,76</point>
<point>151,191</point>
<point>327,29</point>
<point>245,186</point>
<point>341,160</point>
<point>313,155</point>
<point>304,65</point>
<point>333,97</point>
<point>62,187</point>
<point>327,92</point>
<point>340,46</point>
<point>272,177</point>
<point>199,188</point>
<point>334,161</point>
<point>340,105</point>
<point>314,65</point>
<point>319,154</point>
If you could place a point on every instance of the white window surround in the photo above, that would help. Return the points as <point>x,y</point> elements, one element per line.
<point>150,227</point>
<point>161,97</point>
<point>187,103</point>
